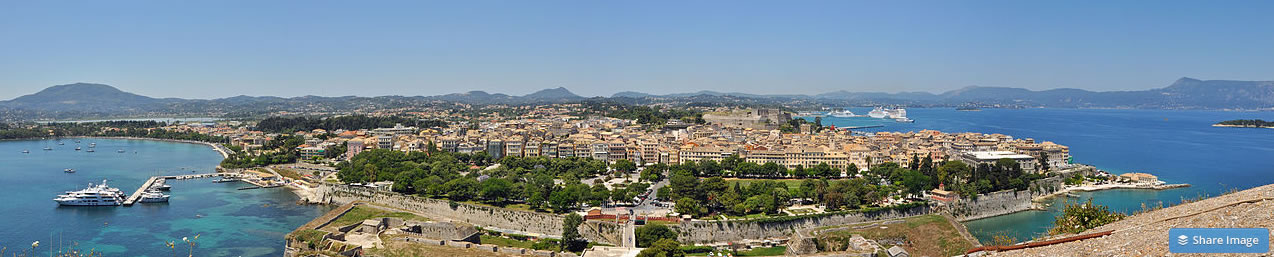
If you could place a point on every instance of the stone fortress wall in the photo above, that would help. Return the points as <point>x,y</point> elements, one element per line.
<point>544,224</point>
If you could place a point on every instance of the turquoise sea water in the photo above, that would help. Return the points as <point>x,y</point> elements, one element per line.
<point>1177,146</point>
<point>230,222</point>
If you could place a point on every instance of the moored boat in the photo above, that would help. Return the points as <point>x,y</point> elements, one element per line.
<point>94,195</point>
<point>153,197</point>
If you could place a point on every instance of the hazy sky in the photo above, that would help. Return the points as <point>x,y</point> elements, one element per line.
<point>290,48</point>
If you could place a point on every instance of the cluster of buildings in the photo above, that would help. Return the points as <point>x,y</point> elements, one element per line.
<point>749,134</point>
<point>612,139</point>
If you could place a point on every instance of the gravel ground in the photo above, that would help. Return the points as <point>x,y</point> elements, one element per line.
<point>1146,234</point>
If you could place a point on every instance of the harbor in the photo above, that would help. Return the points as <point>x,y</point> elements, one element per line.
<point>157,180</point>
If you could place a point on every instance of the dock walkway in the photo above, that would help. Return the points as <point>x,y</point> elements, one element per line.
<point>137,195</point>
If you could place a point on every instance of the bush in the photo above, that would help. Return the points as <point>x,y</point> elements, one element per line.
<point>1078,217</point>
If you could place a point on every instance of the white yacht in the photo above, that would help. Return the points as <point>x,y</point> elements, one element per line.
<point>26,151</point>
<point>154,197</point>
<point>94,195</point>
<point>69,170</point>
<point>159,186</point>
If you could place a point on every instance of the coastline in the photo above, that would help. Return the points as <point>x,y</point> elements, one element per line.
<point>1093,188</point>
<point>1037,203</point>
<point>225,153</point>
<point>1238,126</point>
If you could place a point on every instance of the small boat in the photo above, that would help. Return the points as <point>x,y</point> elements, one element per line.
<point>69,170</point>
<point>224,180</point>
<point>77,141</point>
<point>1072,195</point>
<point>92,144</point>
<point>26,151</point>
<point>46,148</point>
<point>90,150</point>
<point>160,186</point>
<point>60,143</point>
<point>77,148</point>
<point>904,120</point>
<point>120,151</point>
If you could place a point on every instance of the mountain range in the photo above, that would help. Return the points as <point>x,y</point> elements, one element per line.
<point>88,100</point>
<point>1185,93</point>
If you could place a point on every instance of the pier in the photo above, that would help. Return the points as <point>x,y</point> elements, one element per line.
<point>137,195</point>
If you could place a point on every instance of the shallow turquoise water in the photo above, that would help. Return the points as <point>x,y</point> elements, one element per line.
<point>1177,146</point>
<point>230,222</point>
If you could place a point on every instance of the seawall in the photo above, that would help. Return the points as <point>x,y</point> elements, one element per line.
<point>1007,202</point>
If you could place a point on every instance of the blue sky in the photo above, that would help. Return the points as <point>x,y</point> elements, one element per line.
<point>218,49</point>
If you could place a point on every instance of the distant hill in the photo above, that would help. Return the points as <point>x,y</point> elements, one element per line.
<point>1185,93</point>
<point>83,97</point>
<point>555,94</point>
<point>97,100</point>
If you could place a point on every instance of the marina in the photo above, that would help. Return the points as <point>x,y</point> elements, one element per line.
<point>158,183</point>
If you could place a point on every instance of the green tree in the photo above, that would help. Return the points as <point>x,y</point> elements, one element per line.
<point>688,206</point>
<point>651,233</point>
<point>663,248</point>
<point>562,201</point>
<point>624,165</point>
<point>496,190</point>
<point>571,238</point>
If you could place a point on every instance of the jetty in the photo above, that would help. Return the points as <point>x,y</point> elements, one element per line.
<point>137,195</point>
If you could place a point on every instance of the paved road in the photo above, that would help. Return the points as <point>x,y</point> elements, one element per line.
<point>630,234</point>
<point>647,206</point>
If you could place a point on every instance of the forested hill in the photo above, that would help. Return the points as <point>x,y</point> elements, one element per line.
<point>1246,123</point>
<point>353,122</point>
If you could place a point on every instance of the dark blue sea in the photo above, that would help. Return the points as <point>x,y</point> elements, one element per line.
<point>229,222</point>
<point>1178,146</point>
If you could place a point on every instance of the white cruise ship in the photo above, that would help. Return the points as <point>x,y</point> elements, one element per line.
<point>891,113</point>
<point>841,114</point>
<point>94,195</point>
